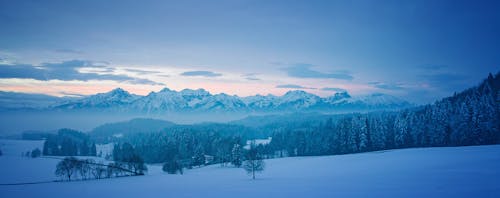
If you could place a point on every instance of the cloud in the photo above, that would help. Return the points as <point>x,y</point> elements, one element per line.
<point>334,89</point>
<point>305,71</point>
<point>446,81</point>
<point>387,86</point>
<point>250,76</point>
<point>293,86</point>
<point>201,73</point>
<point>68,70</point>
<point>71,94</point>
<point>142,72</point>
<point>442,77</point>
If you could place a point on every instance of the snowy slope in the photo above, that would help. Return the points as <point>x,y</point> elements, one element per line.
<point>113,99</point>
<point>422,172</point>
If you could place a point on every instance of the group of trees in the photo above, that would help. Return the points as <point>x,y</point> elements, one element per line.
<point>33,153</point>
<point>469,118</point>
<point>126,154</point>
<point>179,148</point>
<point>69,142</point>
<point>70,168</point>
<point>186,147</point>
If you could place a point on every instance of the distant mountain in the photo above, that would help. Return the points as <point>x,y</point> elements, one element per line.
<point>116,98</point>
<point>201,101</point>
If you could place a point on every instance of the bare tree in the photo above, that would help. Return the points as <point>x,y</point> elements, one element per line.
<point>67,167</point>
<point>254,162</point>
<point>110,170</point>
<point>84,167</point>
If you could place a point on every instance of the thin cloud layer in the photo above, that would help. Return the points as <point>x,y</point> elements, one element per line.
<point>67,70</point>
<point>293,86</point>
<point>305,71</point>
<point>142,72</point>
<point>250,76</point>
<point>387,86</point>
<point>334,89</point>
<point>201,73</point>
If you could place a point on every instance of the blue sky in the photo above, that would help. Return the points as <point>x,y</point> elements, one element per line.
<point>418,50</point>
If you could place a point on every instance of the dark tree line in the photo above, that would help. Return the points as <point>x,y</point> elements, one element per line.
<point>185,144</point>
<point>71,168</point>
<point>69,142</point>
<point>186,147</point>
<point>33,153</point>
<point>468,118</point>
<point>126,155</point>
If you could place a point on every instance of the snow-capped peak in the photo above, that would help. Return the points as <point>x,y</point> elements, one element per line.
<point>189,100</point>
<point>338,96</point>
<point>118,92</point>
<point>197,92</point>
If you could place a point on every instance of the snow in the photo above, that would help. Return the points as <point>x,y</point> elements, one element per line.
<point>104,149</point>
<point>17,147</point>
<point>111,99</point>
<point>257,142</point>
<point>298,99</point>
<point>200,100</point>
<point>421,172</point>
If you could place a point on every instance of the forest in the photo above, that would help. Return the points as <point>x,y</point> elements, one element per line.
<point>471,117</point>
<point>68,142</point>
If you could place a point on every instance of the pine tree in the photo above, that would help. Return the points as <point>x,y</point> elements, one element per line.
<point>236,155</point>
<point>199,156</point>
<point>93,150</point>
<point>35,153</point>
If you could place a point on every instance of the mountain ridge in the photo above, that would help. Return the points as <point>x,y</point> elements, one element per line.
<point>200,100</point>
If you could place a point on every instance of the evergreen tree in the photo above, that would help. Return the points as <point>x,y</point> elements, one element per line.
<point>36,153</point>
<point>236,155</point>
<point>173,167</point>
<point>199,156</point>
<point>93,150</point>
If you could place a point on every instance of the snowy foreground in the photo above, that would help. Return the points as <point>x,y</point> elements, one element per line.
<point>422,172</point>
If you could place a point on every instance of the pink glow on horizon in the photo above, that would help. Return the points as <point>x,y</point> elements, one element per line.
<point>242,89</point>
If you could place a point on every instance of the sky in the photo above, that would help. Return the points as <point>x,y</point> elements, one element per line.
<point>418,50</point>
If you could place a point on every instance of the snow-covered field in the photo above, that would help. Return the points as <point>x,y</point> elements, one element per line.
<point>422,172</point>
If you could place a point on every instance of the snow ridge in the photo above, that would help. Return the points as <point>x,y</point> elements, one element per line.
<point>200,100</point>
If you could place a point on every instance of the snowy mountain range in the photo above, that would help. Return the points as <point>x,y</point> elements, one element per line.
<point>200,100</point>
